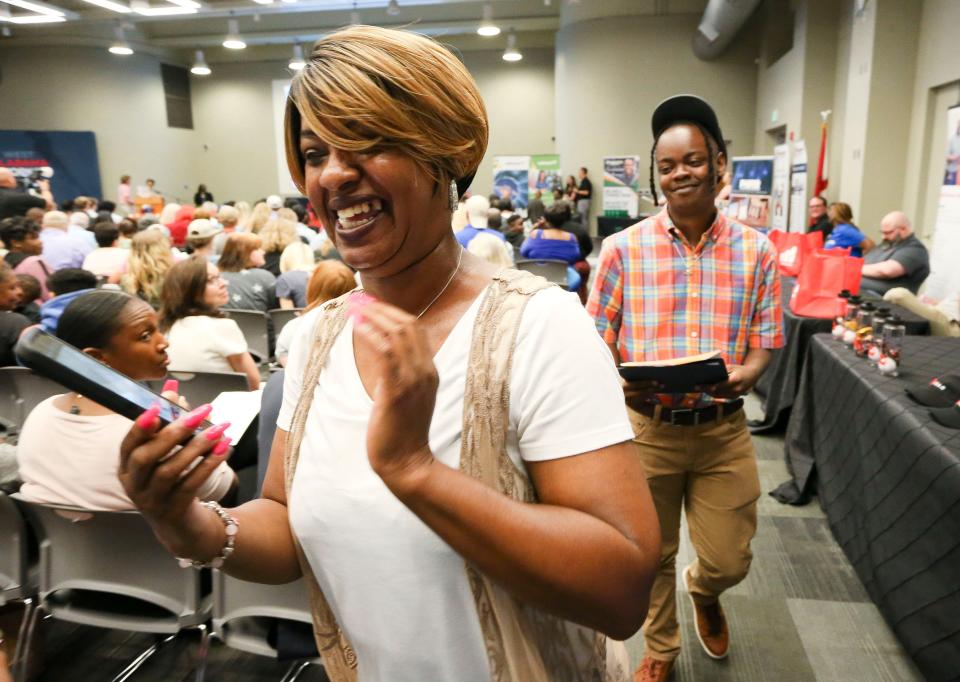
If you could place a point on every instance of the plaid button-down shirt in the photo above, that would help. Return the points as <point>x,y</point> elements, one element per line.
<point>657,297</point>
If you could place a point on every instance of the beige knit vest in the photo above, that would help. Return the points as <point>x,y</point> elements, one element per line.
<point>523,644</point>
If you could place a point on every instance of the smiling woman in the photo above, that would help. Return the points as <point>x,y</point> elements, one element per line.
<point>453,469</point>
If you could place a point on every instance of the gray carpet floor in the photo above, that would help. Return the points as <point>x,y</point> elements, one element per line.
<point>801,614</point>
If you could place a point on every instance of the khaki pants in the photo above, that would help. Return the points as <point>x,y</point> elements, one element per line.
<point>711,471</point>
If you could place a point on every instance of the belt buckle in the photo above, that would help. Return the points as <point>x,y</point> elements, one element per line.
<point>674,413</point>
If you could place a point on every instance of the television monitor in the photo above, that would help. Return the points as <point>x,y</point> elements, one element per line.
<point>752,175</point>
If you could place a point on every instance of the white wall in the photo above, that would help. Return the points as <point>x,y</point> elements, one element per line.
<point>120,100</point>
<point>612,72</point>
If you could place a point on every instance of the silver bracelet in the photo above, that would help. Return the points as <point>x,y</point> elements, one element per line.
<point>230,526</point>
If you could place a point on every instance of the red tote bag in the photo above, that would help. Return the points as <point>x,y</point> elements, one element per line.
<point>825,273</point>
<point>793,247</point>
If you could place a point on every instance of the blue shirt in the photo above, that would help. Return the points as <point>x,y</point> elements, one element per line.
<point>845,236</point>
<point>537,246</point>
<point>466,235</point>
<point>62,250</point>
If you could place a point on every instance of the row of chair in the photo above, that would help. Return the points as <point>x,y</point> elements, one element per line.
<point>256,328</point>
<point>106,569</point>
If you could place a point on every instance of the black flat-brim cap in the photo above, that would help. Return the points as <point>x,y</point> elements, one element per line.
<point>942,391</point>
<point>687,109</point>
<point>948,416</point>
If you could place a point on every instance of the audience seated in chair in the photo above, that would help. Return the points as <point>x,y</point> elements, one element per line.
<point>11,323</point>
<point>65,285</point>
<point>21,236</point>
<point>108,257</point>
<point>552,242</point>
<point>277,234</point>
<point>249,286</point>
<point>147,266</point>
<point>491,249</point>
<point>900,260</point>
<point>296,265</point>
<point>846,235</point>
<point>202,338</point>
<point>69,447</point>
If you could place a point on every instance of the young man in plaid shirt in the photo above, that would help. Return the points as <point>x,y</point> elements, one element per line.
<point>683,282</point>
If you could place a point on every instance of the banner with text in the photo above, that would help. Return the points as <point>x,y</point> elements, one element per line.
<point>67,159</point>
<point>798,188</point>
<point>944,273</point>
<point>620,186</point>
<point>781,187</point>
<point>511,179</point>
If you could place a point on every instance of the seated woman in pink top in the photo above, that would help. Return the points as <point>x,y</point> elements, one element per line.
<point>69,450</point>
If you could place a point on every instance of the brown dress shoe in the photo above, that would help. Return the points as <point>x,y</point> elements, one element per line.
<point>653,670</point>
<point>711,624</point>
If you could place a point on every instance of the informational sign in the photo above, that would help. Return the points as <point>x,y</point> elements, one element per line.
<point>780,196</point>
<point>751,190</point>
<point>798,188</point>
<point>511,179</point>
<point>944,273</point>
<point>620,186</point>
<point>544,176</point>
<point>68,160</point>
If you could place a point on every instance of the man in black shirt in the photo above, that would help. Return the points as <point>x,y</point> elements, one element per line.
<point>584,195</point>
<point>14,201</point>
<point>819,222</point>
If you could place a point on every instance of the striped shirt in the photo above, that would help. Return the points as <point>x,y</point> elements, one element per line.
<point>657,297</point>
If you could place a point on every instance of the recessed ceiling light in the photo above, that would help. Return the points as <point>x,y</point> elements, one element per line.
<point>296,62</point>
<point>512,54</point>
<point>120,46</point>
<point>200,67</point>
<point>393,8</point>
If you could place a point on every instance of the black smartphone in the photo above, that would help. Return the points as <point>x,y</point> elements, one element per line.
<point>45,354</point>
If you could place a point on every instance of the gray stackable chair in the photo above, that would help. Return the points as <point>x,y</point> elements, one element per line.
<point>281,316</point>
<point>21,390</point>
<point>253,324</point>
<point>202,387</point>
<point>17,576</point>
<point>106,569</point>
<point>242,612</point>
<point>552,270</point>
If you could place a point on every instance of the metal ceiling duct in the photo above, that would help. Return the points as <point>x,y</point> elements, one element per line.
<point>722,20</point>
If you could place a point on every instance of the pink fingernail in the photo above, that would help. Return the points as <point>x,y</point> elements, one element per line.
<point>148,419</point>
<point>170,385</point>
<point>193,419</point>
<point>221,448</point>
<point>216,433</point>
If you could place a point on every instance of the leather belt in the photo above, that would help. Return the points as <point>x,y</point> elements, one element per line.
<point>693,416</point>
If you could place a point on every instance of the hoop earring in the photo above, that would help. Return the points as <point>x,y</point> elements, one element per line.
<point>454,196</point>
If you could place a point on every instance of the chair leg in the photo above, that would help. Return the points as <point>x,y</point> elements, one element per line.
<point>25,643</point>
<point>294,671</point>
<point>136,663</point>
<point>29,606</point>
<point>202,652</point>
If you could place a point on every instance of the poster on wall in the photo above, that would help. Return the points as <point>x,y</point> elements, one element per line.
<point>511,179</point>
<point>798,188</point>
<point>780,197</point>
<point>752,187</point>
<point>285,186</point>
<point>68,160</point>
<point>620,186</point>
<point>944,274</point>
<point>544,176</point>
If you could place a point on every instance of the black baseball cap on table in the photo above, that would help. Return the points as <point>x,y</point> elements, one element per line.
<point>687,109</point>
<point>941,392</point>
<point>948,416</point>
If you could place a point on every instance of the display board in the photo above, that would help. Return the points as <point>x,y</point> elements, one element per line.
<point>285,187</point>
<point>545,176</point>
<point>620,186</point>
<point>752,187</point>
<point>511,179</point>
<point>67,159</point>
<point>780,196</point>
<point>798,188</point>
<point>944,274</point>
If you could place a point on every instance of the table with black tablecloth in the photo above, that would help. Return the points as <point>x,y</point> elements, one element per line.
<point>888,478</point>
<point>778,385</point>
<point>608,225</point>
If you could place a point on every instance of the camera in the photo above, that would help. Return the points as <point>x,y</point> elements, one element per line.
<point>28,180</point>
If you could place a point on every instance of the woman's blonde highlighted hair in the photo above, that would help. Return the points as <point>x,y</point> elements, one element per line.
<point>150,259</point>
<point>366,87</point>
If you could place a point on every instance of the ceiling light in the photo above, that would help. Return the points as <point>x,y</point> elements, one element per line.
<point>189,4</point>
<point>120,46</point>
<point>297,63</point>
<point>393,8</point>
<point>42,13</point>
<point>264,2</point>
<point>112,6</point>
<point>171,10</point>
<point>200,67</point>
<point>354,18</point>
<point>233,41</point>
<point>487,27</point>
<point>34,19</point>
<point>6,32</point>
<point>37,7</point>
<point>512,54</point>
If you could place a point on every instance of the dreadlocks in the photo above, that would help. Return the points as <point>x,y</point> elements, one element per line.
<point>712,150</point>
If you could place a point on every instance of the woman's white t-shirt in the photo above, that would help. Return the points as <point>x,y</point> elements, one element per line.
<point>201,343</point>
<point>399,592</point>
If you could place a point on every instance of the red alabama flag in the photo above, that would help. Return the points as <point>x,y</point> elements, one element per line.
<point>822,179</point>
